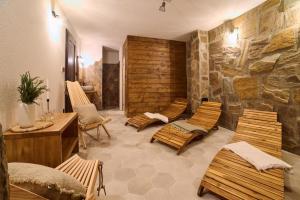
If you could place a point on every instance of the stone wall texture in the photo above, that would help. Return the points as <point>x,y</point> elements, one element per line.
<point>92,75</point>
<point>262,71</point>
<point>197,68</point>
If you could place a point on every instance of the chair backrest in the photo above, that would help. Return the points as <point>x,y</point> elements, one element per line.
<point>207,115</point>
<point>76,94</point>
<point>258,128</point>
<point>260,115</point>
<point>175,109</point>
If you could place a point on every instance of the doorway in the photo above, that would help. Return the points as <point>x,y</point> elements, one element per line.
<point>110,84</point>
<point>71,67</point>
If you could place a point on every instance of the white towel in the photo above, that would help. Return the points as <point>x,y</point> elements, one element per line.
<point>259,159</point>
<point>157,116</point>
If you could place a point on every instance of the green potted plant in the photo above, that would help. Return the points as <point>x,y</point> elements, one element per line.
<point>30,89</point>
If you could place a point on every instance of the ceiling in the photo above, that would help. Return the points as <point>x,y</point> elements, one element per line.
<point>107,22</point>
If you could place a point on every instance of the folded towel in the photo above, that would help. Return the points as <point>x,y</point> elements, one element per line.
<point>157,116</point>
<point>259,159</point>
<point>182,124</point>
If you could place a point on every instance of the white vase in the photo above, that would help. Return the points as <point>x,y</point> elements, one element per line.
<point>26,115</point>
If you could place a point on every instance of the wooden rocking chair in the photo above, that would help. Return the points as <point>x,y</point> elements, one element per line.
<point>77,98</point>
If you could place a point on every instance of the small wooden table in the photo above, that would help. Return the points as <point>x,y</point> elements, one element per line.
<point>50,146</point>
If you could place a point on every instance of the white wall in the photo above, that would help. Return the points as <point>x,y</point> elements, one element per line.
<point>91,52</point>
<point>31,39</point>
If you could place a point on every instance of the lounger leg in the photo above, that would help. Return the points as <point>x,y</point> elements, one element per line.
<point>106,130</point>
<point>216,127</point>
<point>101,182</point>
<point>82,139</point>
<point>180,150</point>
<point>152,140</point>
<point>200,191</point>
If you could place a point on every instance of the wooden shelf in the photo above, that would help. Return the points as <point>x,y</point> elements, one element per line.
<point>68,146</point>
<point>54,144</point>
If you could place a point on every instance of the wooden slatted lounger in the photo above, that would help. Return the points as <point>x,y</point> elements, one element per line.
<point>232,177</point>
<point>172,112</point>
<point>77,98</point>
<point>206,116</point>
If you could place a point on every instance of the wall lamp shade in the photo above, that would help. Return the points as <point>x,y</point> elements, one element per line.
<point>232,38</point>
<point>162,8</point>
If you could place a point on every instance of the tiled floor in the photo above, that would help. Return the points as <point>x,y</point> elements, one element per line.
<point>135,169</point>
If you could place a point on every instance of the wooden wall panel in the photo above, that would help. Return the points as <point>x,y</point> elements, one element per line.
<point>155,73</point>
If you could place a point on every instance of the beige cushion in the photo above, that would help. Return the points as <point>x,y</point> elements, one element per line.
<point>259,159</point>
<point>88,114</point>
<point>45,181</point>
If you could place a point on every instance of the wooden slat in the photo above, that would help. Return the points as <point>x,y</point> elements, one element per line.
<point>85,179</point>
<point>92,178</point>
<point>69,164</point>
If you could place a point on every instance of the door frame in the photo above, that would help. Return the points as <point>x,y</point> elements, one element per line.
<point>118,85</point>
<point>69,37</point>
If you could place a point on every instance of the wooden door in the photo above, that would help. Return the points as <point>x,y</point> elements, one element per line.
<point>71,67</point>
<point>110,84</point>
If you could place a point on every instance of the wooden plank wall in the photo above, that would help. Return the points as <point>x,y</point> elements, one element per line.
<point>155,74</point>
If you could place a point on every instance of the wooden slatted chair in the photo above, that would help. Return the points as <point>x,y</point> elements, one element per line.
<point>232,177</point>
<point>172,112</point>
<point>206,116</point>
<point>77,98</point>
<point>85,171</point>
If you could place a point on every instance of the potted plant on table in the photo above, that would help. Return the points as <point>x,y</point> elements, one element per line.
<point>30,89</point>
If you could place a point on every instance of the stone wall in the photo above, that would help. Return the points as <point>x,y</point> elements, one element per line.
<point>262,71</point>
<point>93,75</point>
<point>197,68</point>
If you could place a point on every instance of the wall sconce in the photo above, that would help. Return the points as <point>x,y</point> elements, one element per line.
<point>162,8</point>
<point>53,5</point>
<point>231,35</point>
<point>232,38</point>
<point>54,14</point>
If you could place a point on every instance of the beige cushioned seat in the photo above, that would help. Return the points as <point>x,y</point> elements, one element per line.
<point>88,114</point>
<point>45,181</point>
